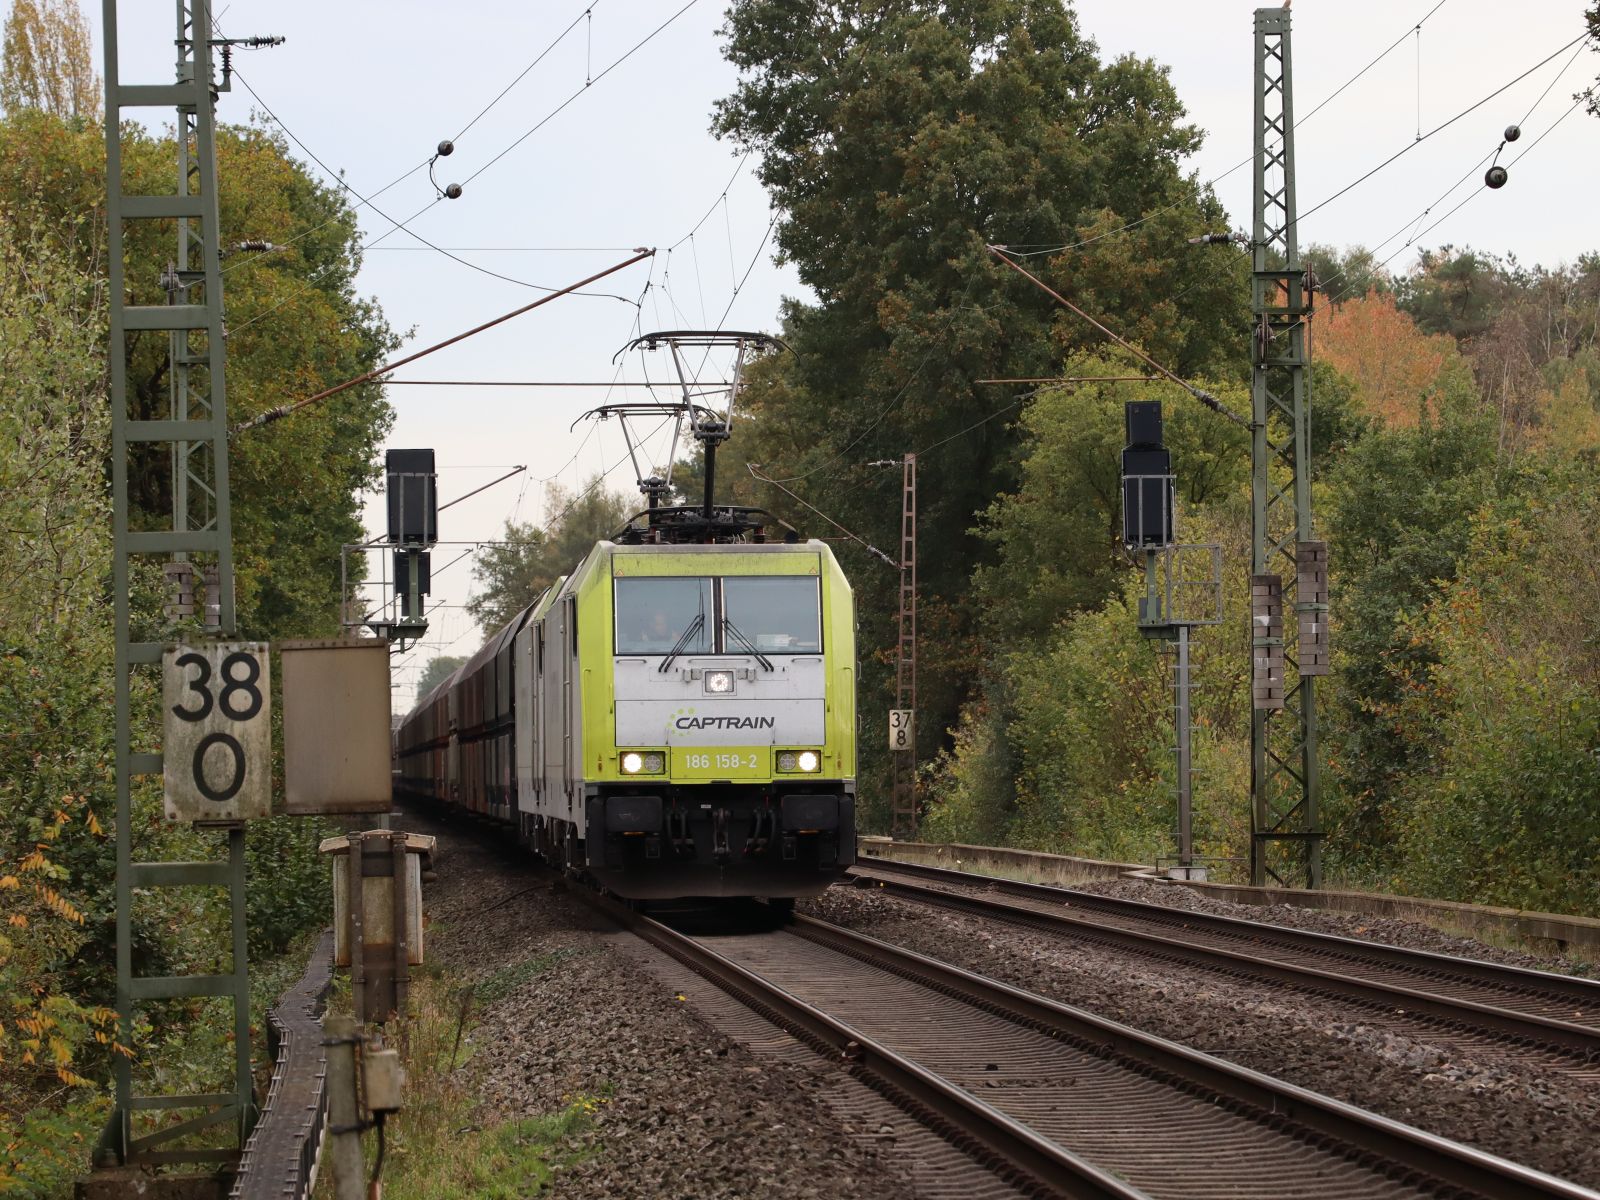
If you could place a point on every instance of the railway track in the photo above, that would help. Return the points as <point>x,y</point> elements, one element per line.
<point>1061,1101</point>
<point>1554,1017</point>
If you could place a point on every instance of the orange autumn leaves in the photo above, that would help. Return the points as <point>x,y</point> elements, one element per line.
<point>1401,372</point>
<point>1395,366</point>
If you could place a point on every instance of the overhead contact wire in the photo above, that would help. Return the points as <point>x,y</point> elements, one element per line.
<point>1436,129</point>
<point>1019,252</point>
<point>273,414</point>
<point>334,176</point>
<point>548,117</point>
<point>1198,393</point>
<point>560,37</point>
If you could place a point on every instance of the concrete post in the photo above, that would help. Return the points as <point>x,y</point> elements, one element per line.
<point>344,1110</point>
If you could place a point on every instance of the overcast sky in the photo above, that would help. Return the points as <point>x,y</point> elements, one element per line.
<point>370,89</point>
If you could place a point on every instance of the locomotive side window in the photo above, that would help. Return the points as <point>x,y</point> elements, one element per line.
<point>655,614</point>
<point>777,614</point>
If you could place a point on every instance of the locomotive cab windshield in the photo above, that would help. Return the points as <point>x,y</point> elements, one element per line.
<point>731,615</point>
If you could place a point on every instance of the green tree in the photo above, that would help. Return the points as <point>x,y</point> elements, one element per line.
<point>1396,544</point>
<point>898,140</point>
<point>510,575</point>
<point>1503,711</point>
<point>1058,537</point>
<point>440,667</point>
<point>1459,292</point>
<point>296,325</point>
<point>55,668</point>
<point>46,61</point>
<point>1351,272</point>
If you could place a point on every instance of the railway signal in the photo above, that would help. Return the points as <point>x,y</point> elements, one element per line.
<point>1183,588</point>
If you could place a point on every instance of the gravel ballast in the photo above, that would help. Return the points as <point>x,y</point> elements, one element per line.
<point>1393,931</point>
<point>568,1012</point>
<point>696,1097</point>
<point>1490,1100</point>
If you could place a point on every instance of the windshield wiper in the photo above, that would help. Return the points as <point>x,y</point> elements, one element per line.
<point>749,646</point>
<point>684,639</point>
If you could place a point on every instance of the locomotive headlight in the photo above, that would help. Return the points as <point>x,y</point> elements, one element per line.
<point>719,683</point>
<point>803,762</point>
<point>650,762</point>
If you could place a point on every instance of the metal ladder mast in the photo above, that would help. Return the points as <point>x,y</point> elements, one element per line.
<point>904,796</point>
<point>1285,835</point>
<point>198,434</point>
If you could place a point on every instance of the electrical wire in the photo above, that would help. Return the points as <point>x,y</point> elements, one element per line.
<point>316,276</point>
<point>1352,284</point>
<point>1415,223</point>
<point>1392,47</point>
<point>548,117</point>
<point>1565,68</point>
<point>756,473</point>
<point>520,249</point>
<point>1577,104</point>
<point>273,414</point>
<point>334,175</point>
<point>1017,403</point>
<point>1016,250</point>
<point>1198,393</point>
<point>744,279</point>
<point>1436,129</point>
<point>305,233</point>
<point>876,421</point>
<point>721,199</point>
<point>560,37</point>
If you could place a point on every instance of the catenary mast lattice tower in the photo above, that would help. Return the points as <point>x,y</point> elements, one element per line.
<point>1288,568</point>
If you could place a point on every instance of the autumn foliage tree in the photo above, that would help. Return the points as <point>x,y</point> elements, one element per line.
<point>1395,367</point>
<point>48,61</point>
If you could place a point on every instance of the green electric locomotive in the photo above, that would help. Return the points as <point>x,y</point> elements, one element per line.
<point>676,717</point>
<point>676,720</point>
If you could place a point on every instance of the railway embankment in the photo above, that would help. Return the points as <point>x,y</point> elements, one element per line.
<point>1333,910</point>
<point>598,1064</point>
<point>1508,1100</point>
<point>564,1010</point>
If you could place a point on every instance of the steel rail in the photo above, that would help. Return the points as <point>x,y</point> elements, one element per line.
<point>1412,1159</point>
<point>993,1138</point>
<point>1446,1163</point>
<point>1565,1037</point>
<point>1578,995</point>
<point>1386,1146</point>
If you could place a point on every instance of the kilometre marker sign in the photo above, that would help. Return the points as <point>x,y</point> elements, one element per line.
<point>900,729</point>
<point>217,700</point>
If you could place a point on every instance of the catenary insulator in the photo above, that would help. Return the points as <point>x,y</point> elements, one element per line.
<point>446,148</point>
<point>1512,133</point>
<point>453,192</point>
<point>1495,177</point>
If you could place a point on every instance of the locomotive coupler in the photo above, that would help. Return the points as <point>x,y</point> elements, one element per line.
<point>678,832</point>
<point>719,835</point>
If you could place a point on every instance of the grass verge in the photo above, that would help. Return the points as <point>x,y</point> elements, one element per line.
<point>438,1145</point>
